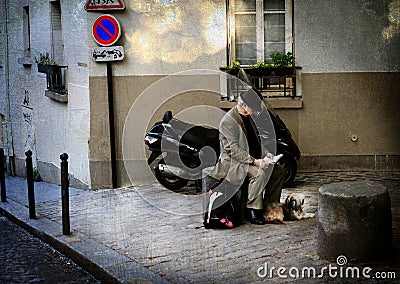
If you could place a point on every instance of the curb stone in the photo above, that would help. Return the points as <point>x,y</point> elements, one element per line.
<point>100,261</point>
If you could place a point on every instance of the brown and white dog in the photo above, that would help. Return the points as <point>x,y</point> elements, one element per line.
<point>291,210</point>
<point>274,213</point>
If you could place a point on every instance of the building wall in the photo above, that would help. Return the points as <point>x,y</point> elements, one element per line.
<point>45,126</point>
<point>348,52</point>
<point>350,121</point>
<point>350,78</point>
<point>165,37</point>
<point>160,39</point>
<point>3,71</point>
<point>350,74</point>
<point>135,113</point>
<point>347,36</point>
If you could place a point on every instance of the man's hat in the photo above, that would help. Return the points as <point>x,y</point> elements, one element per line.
<point>251,99</point>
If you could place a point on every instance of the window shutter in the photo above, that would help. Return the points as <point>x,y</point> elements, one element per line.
<point>56,32</point>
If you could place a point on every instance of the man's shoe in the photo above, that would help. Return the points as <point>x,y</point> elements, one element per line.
<point>255,217</point>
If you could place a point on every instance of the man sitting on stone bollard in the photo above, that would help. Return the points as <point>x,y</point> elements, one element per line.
<point>243,154</point>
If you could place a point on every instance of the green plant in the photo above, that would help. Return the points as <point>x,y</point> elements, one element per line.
<point>232,69</point>
<point>282,60</point>
<point>36,175</point>
<point>45,59</point>
<point>263,65</point>
<point>235,65</point>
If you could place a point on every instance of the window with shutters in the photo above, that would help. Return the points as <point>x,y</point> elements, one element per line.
<point>26,31</point>
<point>57,47</point>
<point>256,30</point>
<point>55,72</point>
<point>259,28</point>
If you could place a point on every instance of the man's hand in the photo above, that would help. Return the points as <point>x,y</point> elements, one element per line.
<point>261,164</point>
<point>270,155</point>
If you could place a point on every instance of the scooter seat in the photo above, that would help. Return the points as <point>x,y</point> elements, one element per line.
<point>196,136</point>
<point>201,136</point>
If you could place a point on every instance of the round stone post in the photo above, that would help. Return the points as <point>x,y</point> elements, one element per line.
<point>354,220</point>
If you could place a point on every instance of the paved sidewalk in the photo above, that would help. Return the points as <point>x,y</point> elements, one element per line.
<point>140,235</point>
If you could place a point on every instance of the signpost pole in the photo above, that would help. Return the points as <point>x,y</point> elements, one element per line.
<point>106,31</point>
<point>111,123</point>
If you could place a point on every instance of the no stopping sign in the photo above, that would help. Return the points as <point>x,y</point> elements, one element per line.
<point>106,30</point>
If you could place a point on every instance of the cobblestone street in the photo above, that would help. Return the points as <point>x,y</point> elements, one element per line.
<point>25,259</point>
<point>179,249</point>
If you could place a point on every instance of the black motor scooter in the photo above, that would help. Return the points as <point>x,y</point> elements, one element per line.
<point>187,149</point>
<point>285,145</point>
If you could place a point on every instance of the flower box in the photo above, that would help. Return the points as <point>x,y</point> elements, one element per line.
<point>50,69</point>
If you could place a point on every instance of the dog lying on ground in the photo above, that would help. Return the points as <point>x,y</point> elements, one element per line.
<point>274,213</point>
<point>291,210</point>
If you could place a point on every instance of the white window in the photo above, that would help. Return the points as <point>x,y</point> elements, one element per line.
<point>259,28</point>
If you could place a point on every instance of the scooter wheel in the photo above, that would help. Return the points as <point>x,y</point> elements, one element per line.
<point>170,182</point>
<point>289,163</point>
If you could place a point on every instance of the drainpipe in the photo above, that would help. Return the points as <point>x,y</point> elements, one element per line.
<point>293,36</point>
<point>228,40</point>
<point>7,126</point>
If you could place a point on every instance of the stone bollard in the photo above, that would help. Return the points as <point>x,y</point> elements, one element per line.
<point>354,220</point>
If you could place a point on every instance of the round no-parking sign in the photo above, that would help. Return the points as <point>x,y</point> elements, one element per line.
<point>106,30</point>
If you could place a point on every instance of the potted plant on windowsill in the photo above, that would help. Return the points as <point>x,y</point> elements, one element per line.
<point>46,65</point>
<point>233,69</point>
<point>260,69</point>
<point>281,65</point>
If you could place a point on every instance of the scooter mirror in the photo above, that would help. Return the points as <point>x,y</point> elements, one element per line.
<point>167,116</point>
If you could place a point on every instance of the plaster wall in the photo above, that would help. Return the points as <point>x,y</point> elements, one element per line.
<point>350,65</point>
<point>350,60</point>
<point>144,102</point>
<point>3,61</point>
<point>40,124</point>
<point>3,72</point>
<point>347,36</point>
<point>160,38</point>
<point>344,115</point>
<point>165,37</point>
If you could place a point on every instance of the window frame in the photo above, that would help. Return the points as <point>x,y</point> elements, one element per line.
<point>260,37</point>
<point>26,31</point>
<point>56,31</point>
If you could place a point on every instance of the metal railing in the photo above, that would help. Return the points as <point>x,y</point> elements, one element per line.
<point>271,83</point>
<point>55,77</point>
<point>55,80</point>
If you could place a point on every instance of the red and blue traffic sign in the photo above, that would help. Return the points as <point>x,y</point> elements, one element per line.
<point>106,30</point>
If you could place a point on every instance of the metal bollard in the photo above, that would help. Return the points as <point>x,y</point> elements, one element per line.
<point>31,186</point>
<point>2,177</point>
<point>65,194</point>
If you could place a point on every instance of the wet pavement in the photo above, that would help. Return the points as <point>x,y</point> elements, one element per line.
<point>26,259</point>
<point>147,233</point>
